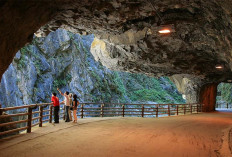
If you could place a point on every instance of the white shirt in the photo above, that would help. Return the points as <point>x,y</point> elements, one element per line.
<point>66,100</point>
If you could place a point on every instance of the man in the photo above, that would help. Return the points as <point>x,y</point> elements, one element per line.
<point>70,101</point>
<point>56,104</point>
<point>67,104</point>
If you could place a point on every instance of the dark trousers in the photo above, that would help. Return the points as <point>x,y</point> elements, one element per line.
<point>67,114</point>
<point>56,114</point>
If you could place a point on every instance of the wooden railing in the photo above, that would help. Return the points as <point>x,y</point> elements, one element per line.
<point>37,114</point>
<point>223,106</point>
<point>30,117</point>
<point>143,110</point>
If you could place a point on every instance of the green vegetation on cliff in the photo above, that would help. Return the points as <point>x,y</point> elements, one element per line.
<point>124,87</point>
<point>61,81</point>
<point>155,90</point>
<point>225,92</point>
<point>22,61</point>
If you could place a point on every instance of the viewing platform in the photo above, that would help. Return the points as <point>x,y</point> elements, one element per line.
<point>32,115</point>
<point>201,135</point>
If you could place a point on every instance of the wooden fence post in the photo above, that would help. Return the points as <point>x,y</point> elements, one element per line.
<point>177,110</point>
<point>29,119</point>
<point>82,110</point>
<point>142,111</point>
<point>197,108</point>
<point>123,110</point>
<point>227,105</point>
<point>191,109</point>
<point>168,110</point>
<point>50,112</point>
<point>157,111</point>
<point>184,108</point>
<point>102,110</point>
<point>41,116</point>
<point>1,111</point>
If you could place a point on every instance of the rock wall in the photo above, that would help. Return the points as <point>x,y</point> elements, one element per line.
<point>208,95</point>
<point>63,60</point>
<point>19,20</point>
<point>194,90</point>
<point>189,86</point>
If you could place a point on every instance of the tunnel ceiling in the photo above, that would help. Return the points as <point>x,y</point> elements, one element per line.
<point>127,35</point>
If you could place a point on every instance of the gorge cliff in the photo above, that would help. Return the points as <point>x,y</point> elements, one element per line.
<point>63,59</point>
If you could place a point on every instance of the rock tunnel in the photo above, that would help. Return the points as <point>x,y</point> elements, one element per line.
<point>196,54</point>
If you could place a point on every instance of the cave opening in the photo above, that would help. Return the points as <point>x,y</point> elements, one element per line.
<point>64,60</point>
<point>224,97</point>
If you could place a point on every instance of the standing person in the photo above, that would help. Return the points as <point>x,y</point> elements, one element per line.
<point>70,100</point>
<point>75,104</point>
<point>66,103</point>
<point>56,104</point>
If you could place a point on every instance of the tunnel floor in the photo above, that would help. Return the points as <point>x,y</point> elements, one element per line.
<point>201,135</point>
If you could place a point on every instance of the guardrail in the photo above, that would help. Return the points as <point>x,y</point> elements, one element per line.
<point>29,114</point>
<point>37,114</point>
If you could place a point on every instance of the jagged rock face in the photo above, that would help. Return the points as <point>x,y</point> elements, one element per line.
<point>59,60</point>
<point>188,86</point>
<point>63,60</point>
<point>129,29</point>
<point>195,90</point>
<point>18,21</point>
<point>201,39</point>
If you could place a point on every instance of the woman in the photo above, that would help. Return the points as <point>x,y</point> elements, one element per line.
<point>75,104</point>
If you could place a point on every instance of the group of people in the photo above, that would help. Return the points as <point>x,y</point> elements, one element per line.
<point>69,104</point>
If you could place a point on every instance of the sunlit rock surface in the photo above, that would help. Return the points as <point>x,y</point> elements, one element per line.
<point>188,86</point>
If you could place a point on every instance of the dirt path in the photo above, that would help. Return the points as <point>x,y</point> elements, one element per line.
<point>202,135</point>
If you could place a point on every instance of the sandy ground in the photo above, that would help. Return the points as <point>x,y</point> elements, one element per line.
<point>198,135</point>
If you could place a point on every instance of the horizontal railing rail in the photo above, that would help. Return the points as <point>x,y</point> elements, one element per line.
<point>37,114</point>
<point>28,121</point>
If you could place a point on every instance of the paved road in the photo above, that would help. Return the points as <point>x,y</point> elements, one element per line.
<point>198,135</point>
